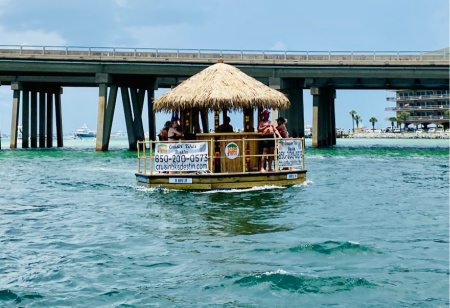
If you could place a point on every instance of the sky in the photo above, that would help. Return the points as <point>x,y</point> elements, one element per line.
<point>321,25</point>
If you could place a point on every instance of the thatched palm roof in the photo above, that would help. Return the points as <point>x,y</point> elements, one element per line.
<point>221,86</point>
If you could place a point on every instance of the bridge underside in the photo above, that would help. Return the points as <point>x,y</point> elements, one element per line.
<point>31,80</point>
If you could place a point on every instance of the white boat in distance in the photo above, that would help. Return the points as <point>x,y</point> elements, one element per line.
<point>84,132</point>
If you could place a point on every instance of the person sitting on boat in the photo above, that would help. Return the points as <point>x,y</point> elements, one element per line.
<point>225,127</point>
<point>267,130</point>
<point>164,134</point>
<point>282,128</point>
<point>173,133</point>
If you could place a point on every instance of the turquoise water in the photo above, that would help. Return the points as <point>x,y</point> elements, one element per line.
<point>369,227</point>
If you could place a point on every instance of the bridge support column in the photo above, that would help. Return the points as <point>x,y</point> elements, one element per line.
<point>133,102</point>
<point>58,118</point>
<point>30,111</point>
<point>150,113</point>
<point>103,92</point>
<point>42,118</point>
<point>16,87</point>
<point>49,119</point>
<point>324,131</point>
<point>25,118</point>
<point>293,88</point>
<point>137,103</point>
<point>133,114</point>
<point>34,119</point>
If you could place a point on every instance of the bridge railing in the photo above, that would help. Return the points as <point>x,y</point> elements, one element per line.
<point>255,55</point>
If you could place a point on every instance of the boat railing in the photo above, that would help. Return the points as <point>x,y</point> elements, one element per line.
<point>214,155</point>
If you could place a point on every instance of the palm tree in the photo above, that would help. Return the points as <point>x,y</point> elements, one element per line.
<point>357,119</point>
<point>373,120</point>
<point>353,113</point>
<point>402,118</point>
<point>392,119</point>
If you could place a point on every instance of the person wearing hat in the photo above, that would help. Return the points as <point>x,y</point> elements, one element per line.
<point>282,128</point>
<point>267,130</point>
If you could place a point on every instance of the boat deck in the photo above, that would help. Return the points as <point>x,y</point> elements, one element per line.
<point>206,181</point>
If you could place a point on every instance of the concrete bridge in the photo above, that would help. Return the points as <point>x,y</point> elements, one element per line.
<point>37,75</point>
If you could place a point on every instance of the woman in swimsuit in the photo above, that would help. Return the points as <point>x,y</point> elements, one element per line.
<point>173,133</point>
<point>267,130</point>
<point>164,134</point>
<point>282,128</point>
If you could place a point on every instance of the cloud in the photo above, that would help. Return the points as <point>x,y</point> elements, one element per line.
<point>31,37</point>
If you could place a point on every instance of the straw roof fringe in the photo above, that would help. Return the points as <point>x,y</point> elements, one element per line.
<point>221,86</point>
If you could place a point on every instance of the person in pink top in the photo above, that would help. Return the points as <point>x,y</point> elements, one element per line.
<point>267,130</point>
<point>282,128</point>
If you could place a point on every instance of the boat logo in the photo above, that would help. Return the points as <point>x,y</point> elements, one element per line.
<point>232,150</point>
<point>292,176</point>
<point>280,145</point>
<point>162,148</point>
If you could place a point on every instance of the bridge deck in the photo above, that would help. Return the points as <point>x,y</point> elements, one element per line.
<point>254,57</point>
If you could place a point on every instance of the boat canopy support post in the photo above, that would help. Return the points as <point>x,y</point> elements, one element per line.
<point>16,87</point>
<point>196,120</point>
<point>216,119</point>
<point>204,118</point>
<point>293,88</point>
<point>323,133</point>
<point>248,120</point>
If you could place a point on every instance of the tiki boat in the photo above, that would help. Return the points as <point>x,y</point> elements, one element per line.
<point>206,160</point>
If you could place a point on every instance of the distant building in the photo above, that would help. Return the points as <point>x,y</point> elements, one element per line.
<point>425,107</point>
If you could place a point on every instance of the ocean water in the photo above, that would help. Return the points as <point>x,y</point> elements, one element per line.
<point>369,228</point>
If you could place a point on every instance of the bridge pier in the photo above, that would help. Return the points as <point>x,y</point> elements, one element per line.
<point>133,103</point>
<point>34,122</point>
<point>15,116</point>
<point>324,123</point>
<point>42,117</point>
<point>293,88</point>
<point>30,111</point>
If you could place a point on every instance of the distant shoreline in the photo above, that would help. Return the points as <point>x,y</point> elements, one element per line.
<point>401,135</point>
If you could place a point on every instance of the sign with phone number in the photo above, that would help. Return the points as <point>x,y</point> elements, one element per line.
<point>290,153</point>
<point>181,156</point>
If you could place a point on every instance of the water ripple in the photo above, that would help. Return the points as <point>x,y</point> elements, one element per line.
<point>304,283</point>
